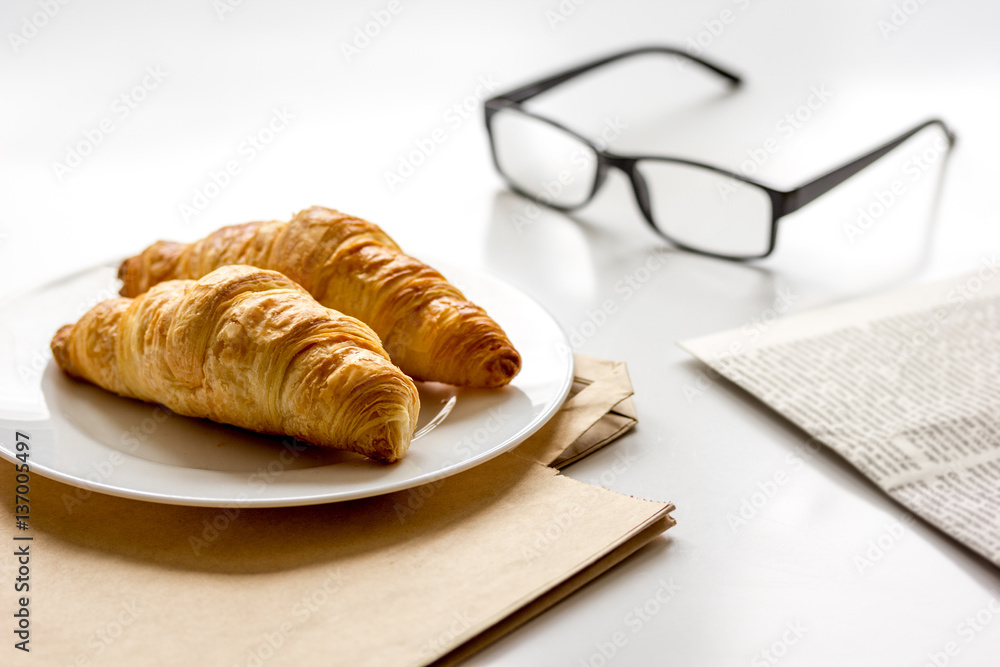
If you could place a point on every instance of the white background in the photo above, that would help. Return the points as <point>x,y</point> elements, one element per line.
<point>701,444</point>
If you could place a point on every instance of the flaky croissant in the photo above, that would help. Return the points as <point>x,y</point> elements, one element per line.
<point>426,325</point>
<point>248,347</point>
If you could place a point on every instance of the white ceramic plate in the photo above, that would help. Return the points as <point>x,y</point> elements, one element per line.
<point>90,438</point>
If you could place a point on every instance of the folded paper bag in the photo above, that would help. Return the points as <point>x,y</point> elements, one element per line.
<point>422,576</point>
<point>598,410</point>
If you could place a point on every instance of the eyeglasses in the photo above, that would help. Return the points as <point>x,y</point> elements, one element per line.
<point>695,206</point>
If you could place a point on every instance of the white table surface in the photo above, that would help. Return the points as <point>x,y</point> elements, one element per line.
<point>789,580</point>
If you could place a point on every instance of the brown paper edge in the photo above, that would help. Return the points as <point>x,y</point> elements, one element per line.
<point>547,598</point>
<point>607,386</point>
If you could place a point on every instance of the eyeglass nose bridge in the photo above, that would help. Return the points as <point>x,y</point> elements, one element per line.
<point>625,164</point>
<point>629,167</point>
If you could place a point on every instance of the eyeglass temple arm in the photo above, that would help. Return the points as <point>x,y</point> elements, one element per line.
<point>806,193</point>
<point>526,92</point>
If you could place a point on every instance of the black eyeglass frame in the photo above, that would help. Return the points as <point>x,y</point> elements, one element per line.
<point>783,202</point>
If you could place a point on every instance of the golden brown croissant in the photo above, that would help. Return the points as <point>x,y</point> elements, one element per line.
<point>426,325</point>
<point>248,347</point>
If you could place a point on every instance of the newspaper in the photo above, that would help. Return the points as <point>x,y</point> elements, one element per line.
<point>905,386</point>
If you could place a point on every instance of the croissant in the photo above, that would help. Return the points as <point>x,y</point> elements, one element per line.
<point>430,330</point>
<point>248,347</point>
